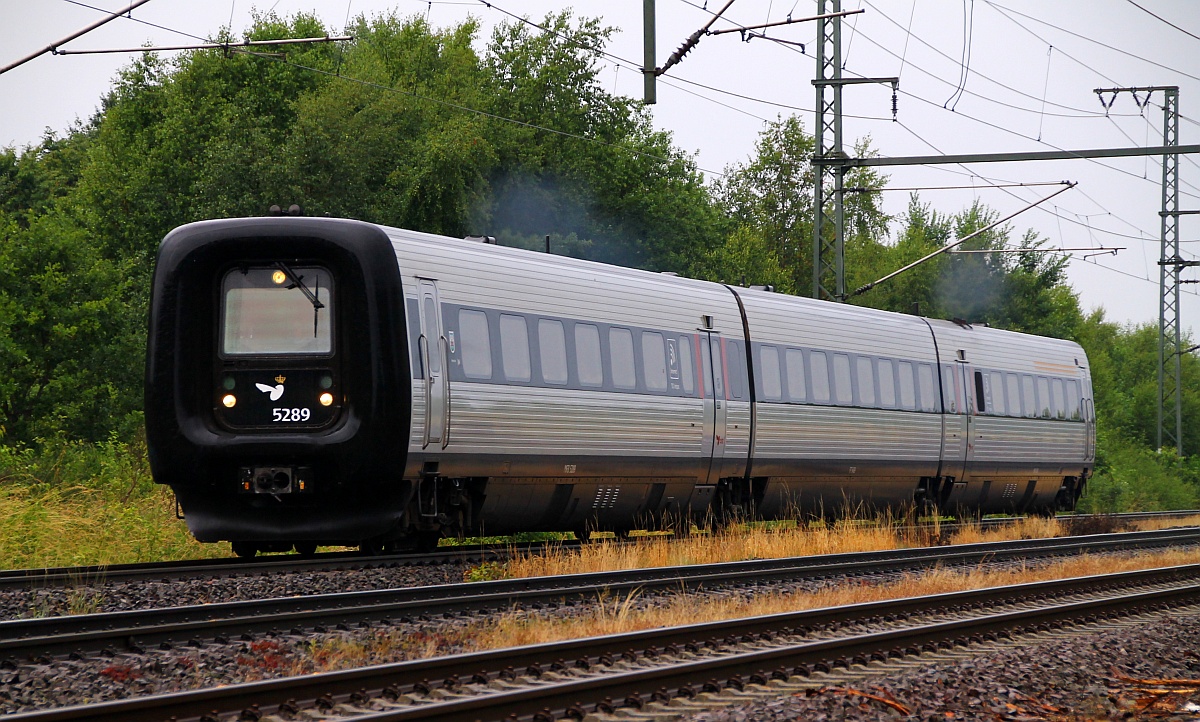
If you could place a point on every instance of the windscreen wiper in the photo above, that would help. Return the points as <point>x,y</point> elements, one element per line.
<point>298,282</point>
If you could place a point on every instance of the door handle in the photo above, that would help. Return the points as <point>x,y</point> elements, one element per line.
<point>445,348</point>
<point>423,346</point>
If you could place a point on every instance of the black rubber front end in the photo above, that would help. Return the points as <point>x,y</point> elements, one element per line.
<point>355,461</point>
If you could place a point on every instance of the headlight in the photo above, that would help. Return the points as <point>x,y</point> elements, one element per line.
<point>326,399</point>
<point>229,400</point>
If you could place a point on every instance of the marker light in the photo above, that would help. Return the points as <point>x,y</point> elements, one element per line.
<point>278,277</point>
<point>229,400</point>
<point>326,399</point>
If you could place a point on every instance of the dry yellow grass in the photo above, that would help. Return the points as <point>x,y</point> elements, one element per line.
<point>1155,524</point>
<point>739,542</point>
<point>616,615</point>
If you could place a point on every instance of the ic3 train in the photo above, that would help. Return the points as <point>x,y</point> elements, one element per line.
<point>324,381</point>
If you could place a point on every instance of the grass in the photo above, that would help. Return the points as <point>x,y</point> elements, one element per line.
<point>79,526</point>
<point>69,504</point>
<point>749,541</point>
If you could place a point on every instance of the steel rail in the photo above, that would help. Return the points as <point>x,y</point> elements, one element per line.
<point>275,564</point>
<point>1145,588</point>
<point>284,563</point>
<point>41,638</point>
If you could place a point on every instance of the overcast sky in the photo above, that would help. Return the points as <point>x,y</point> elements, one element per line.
<point>1031,70</point>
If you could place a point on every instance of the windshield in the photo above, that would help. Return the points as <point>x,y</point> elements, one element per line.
<point>276,310</point>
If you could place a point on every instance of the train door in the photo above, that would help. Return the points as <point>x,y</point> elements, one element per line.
<point>1088,413</point>
<point>434,352</point>
<point>956,419</point>
<point>973,404</point>
<point>713,373</point>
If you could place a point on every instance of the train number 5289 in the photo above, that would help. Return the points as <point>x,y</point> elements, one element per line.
<point>290,414</point>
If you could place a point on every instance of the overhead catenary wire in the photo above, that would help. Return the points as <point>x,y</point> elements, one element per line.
<point>954,244</point>
<point>78,33</point>
<point>208,46</point>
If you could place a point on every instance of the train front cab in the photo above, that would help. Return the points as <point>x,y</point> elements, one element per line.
<point>273,396</point>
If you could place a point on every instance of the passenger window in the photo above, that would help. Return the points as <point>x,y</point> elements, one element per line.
<point>1060,402</point>
<point>949,397</point>
<point>887,383</point>
<point>819,366</point>
<point>997,393</point>
<point>552,345</point>
<point>735,369</point>
<point>1027,397</point>
<point>1073,400</point>
<point>981,395</point>
<point>908,387</point>
<point>928,397</point>
<point>866,381</point>
<point>706,367</point>
<point>1013,386</point>
<point>432,337</point>
<point>842,389</point>
<point>771,383</point>
<point>587,355</point>
<point>620,351</point>
<point>685,365</point>
<point>514,347</point>
<point>654,361</point>
<point>1043,389</point>
<point>794,359</point>
<point>476,344</point>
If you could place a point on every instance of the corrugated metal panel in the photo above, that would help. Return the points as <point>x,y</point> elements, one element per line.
<point>489,418</point>
<point>793,431</point>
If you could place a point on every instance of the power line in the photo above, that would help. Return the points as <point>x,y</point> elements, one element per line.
<point>438,101</point>
<point>1081,111</point>
<point>1060,217</point>
<point>52,47</point>
<point>1002,9</point>
<point>1164,20</point>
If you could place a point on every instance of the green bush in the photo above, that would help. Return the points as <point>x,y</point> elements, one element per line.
<point>1131,477</point>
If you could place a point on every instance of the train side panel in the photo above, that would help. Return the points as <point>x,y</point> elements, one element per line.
<point>1024,404</point>
<point>842,418</point>
<point>548,447</point>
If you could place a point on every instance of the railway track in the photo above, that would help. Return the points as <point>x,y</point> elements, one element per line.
<point>288,563</point>
<point>678,667</point>
<point>41,639</point>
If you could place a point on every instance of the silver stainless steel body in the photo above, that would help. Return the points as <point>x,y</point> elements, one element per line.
<point>887,415</point>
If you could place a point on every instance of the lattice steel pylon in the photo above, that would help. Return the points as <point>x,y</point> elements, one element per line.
<point>828,233</point>
<point>1170,265</point>
<point>1170,396</point>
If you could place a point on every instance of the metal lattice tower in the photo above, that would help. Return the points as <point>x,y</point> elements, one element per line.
<point>828,233</point>
<point>1170,396</point>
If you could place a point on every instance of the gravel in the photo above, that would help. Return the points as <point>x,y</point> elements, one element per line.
<point>1107,675</point>
<point>118,597</point>
<point>1063,675</point>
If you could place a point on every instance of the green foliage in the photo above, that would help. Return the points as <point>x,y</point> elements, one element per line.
<point>67,339</point>
<point>1132,477</point>
<point>410,125</point>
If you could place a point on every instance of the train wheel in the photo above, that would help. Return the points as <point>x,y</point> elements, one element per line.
<point>306,549</point>
<point>245,550</point>
<point>370,548</point>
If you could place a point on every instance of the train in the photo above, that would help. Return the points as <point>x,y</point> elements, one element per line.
<point>323,381</point>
